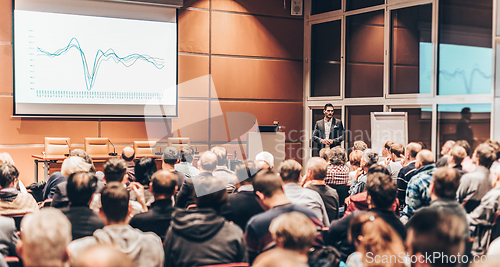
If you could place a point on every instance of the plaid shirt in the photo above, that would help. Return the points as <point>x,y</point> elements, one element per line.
<point>417,193</point>
<point>337,175</point>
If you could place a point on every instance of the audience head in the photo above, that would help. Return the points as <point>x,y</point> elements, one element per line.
<point>495,175</point>
<point>171,156</point>
<point>337,156</point>
<point>74,164</point>
<point>386,151</point>
<point>163,183</point>
<point>381,189</point>
<point>80,188</point>
<point>279,257</point>
<point>9,175</point>
<point>187,154</point>
<point>445,183</point>
<point>210,193</point>
<point>221,154</point>
<point>484,155</point>
<point>445,149</point>
<point>45,236</point>
<point>267,185</point>
<point>6,158</point>
<point>115,203</point>
<point>82,154</point>
<point>115,170</point>
<point>495,145</point>
<point>465,145</point>
<point>293,231</point>
<point>289,171</point>
<point>360,145</point>
<point>355,159</point>
<point>412,149</point>
<point>101,255</point>
<point>369,158</point>
<point>144,169</point>
<point>424,158</point>
<point>245,171</point>
<point>457,155</point>
<point>316,168</point>
<point>373,236</point>
<point>266,157</point>
<point>397,151</point>
<point>128,153</point>
<point>323,153</point>
<point>431,230</point>
<point>208,161</point>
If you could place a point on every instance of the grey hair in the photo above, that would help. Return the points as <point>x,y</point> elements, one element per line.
<point>370,157</point>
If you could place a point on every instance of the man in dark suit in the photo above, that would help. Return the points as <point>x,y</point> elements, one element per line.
<point>157,219</point>
<point>328,132</point>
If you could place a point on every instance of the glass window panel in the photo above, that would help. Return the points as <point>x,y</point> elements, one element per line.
<point>325,59</point>
<point>359,123</point>
<point>419,124</point>
<point>411,52</point>
<point>357,4</point>
<point>465,53</point>
<point>318,115</point>
<point>322,6</point>
<point>365,55</point>
<point>457,123</point>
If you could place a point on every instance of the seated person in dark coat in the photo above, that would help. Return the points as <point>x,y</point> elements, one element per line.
<point>84,221</point>
<point>163,185</point>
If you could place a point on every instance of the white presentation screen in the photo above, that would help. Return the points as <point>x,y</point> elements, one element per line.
<point>90,58</point>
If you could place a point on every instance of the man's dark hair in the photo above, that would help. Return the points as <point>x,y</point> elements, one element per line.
<point>115,201</point>
<point>388,144</point>
<point>8,174</point>
<point>216,196</point>
<point>144,169</point>
<point>245,171</point>
<point>446,181</point>
<point>437,231</point>
<point>290,170</point>
<point>268,183</point>
<point>381,189</point>
<point>164,183</point>
<point>85,156</point>
<point>80,187</point>
<point>397,149</point>
<point>187,154</point>
<point>465,145</point>
<point>114,170</point>
<point>128,158</point>
<point>327,106</point>
<point>171,155</point>
<point>485,155</point>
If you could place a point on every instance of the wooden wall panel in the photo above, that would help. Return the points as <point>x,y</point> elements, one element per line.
<point>193,76</point>
<point>257,36</point>
<point>24,163</point>
<point>6,70</point>
<point>293,151</point>
<point>371,84</point>
<point>5,20</point>
<point>256,78</point>
<point>193,31</point>
<point>193,120</point>
<point>271,8</point>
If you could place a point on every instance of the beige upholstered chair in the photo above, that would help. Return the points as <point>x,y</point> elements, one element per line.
<point>57,146</point>
<point>97,145</point>
<point>178,142</point>
<point>144,148</point>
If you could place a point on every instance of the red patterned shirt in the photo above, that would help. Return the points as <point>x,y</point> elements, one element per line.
<point>337,175</point>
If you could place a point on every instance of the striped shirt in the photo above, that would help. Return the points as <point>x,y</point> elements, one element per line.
<point>337,175</point>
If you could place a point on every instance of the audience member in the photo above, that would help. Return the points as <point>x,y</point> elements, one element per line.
<point>207,164</point>
<point>145,167</point>
<point>243,204</point>
<point>222,171</point>
<point>279,257</point>
<point>8,236</point>
<point>369,158</point>
<point>315,177</point>
<point>199,236</point>
<point>385,159</point>
<point>145,249</point>
<point>473,186</point>
<point>128,155</point>
<point>455,158</point>
<point>396,164</point>
<point>445,153</point>
<point>407,172</point>
<point>6,158</point>
<point>265,160</point>
<point>12,201</point>
<point>360,145</point>
<point>186,165</point>
<point>268,187</point>
<point>45,236</point>
<point>355,164</point>
<point>417,193</point>
<point>432,231</point>
<point>496,147</point>
<point>337,173</point>
<point>80,189</point>
<point>467,164</point>
<point>102,256</point>
<point>171,157</point>
<point>372,237</point>
<point>289,172</point>
<point>163,185</point>
<point>323,153</point>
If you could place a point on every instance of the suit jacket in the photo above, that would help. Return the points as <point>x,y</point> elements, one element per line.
<point>84,221</point>
<point>336,133</point>
<point>241,206</point>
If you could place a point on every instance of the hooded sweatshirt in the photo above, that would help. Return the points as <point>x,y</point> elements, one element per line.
<point>199,237</point>
<point>145,249</point>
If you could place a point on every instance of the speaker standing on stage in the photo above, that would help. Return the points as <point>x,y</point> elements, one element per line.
<point>328,131</point>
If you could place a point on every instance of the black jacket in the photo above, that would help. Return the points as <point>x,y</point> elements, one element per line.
<point>185,196</point>
<point>84,221</point>
<point>241,206</point>
<point>156,219</point>
<point>199,237</point>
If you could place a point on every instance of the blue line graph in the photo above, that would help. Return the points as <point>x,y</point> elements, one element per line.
<point>101,56</point>
<point>462,74</point>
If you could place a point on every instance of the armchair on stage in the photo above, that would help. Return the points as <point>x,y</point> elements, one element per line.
<point>144,148</point>
<point>57,146</point>
<point>178,142</point>
<point>97,146</point>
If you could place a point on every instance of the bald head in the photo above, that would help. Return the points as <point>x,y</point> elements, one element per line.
<point>412,150</point>
<point>128,153</point>
<point>425,157</point>
<point>317,167</point>
<point>102,256</point>
<point>208,161</point>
